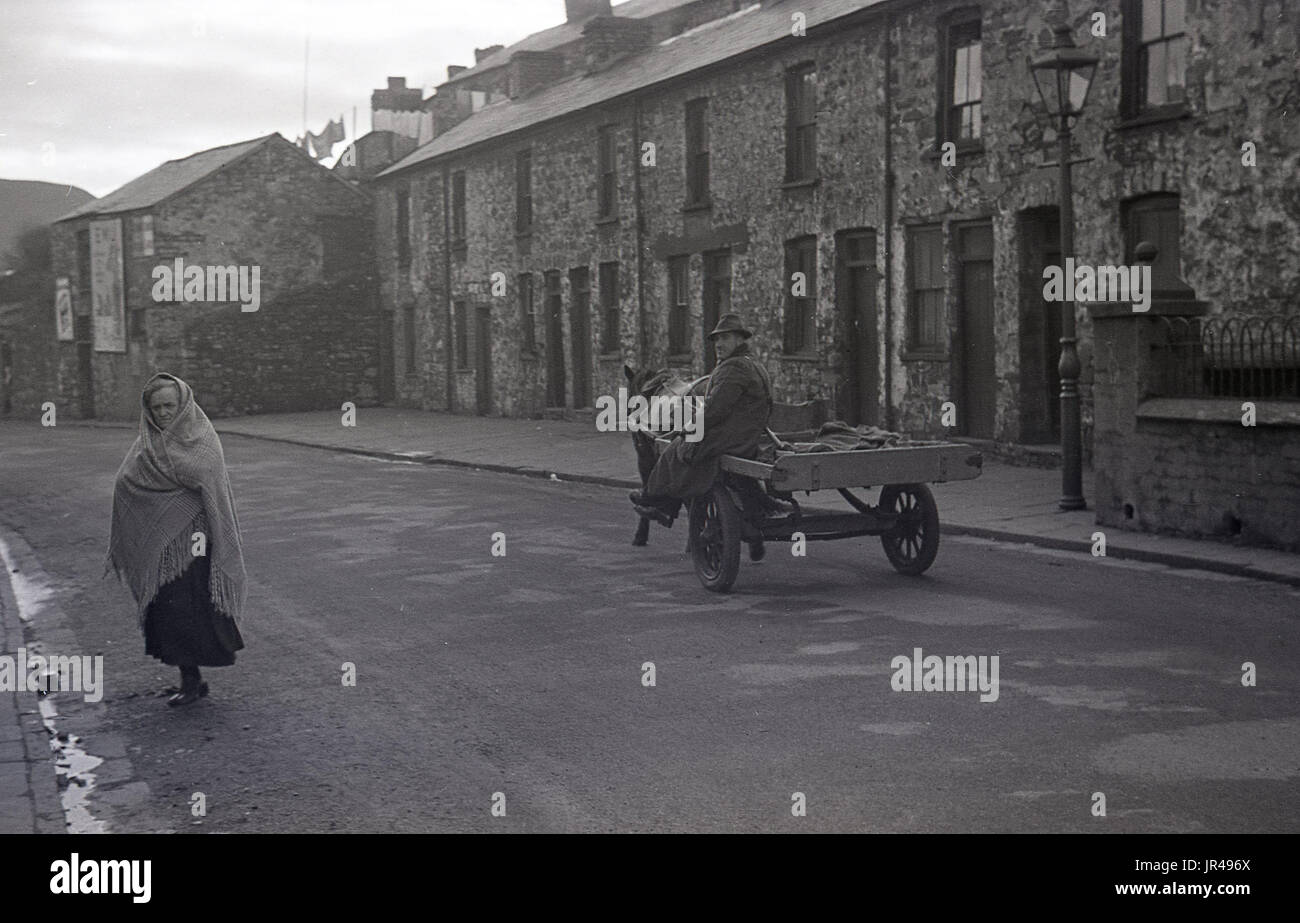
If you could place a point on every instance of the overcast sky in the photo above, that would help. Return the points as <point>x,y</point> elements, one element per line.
<point>96,92</point>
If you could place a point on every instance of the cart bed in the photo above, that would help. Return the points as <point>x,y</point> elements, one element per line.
<point>923,464</point>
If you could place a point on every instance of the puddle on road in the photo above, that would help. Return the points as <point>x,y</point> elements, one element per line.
<point>73,766</point>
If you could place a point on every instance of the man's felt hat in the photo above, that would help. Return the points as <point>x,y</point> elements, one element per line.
<point>730,323</point>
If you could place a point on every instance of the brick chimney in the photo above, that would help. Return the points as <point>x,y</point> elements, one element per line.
<point>481,53</point>
<point>606,39</point>
<point>454,69</point>
<point>578,10</point>
<point>397,98</point>
<point>398,108</point>
<point>530,71</point>
<point>449,107</point>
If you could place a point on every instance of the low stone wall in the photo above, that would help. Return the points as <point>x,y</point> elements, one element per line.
<point>1187,466</point>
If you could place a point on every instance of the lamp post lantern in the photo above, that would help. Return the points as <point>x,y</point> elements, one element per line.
<point>1063,75</point>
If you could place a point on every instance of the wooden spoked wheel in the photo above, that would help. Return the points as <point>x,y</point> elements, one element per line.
<point>913,542</point>
<point>715,539</point>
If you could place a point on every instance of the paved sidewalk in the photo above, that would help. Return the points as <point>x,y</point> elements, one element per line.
<point>29,795</point>
<point>1005,502</point>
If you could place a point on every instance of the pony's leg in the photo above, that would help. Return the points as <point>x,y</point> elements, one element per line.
<point>645,462</point>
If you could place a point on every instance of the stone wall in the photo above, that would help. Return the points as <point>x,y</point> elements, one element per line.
<point>276,209</point>
<point>1182,465</point>
<point>311,349</point>
<point>27,330</point>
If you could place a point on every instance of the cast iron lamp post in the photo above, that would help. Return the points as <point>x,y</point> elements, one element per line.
<point>1063,75</point>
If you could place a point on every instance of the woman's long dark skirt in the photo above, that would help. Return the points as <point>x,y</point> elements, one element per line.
<point>183,628</point>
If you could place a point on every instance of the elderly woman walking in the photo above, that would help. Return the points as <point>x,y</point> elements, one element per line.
<point>175,539</point>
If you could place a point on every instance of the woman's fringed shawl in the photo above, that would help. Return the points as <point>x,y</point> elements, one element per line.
<point>173,483</point>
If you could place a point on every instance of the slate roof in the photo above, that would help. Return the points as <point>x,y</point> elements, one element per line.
<point>564,33</point>
<point>750,28</point>
<point>163,181</point>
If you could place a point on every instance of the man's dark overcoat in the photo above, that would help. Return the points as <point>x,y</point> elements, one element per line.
<point>736,410</point>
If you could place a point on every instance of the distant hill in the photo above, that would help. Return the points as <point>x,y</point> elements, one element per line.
<point>29,203</point>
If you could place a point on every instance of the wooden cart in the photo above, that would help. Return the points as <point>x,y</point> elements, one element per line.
<point>753,502</point>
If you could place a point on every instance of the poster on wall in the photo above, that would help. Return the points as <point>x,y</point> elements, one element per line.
<point>63,308</point>
<point>109,311</point>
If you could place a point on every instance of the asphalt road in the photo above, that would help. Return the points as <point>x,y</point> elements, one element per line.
<point>523,674</point>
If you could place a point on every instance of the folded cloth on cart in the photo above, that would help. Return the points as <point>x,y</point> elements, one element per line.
<point>837,436</point>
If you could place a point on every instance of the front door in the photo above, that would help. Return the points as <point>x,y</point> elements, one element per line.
<point>856,276</point>
<point>580,333</point>
<point>1040,329</point>
<point>387,364</point>
<point>977,409</point>
<point>717,299</point>
<point>554,343</point>
<point>483,358</point>
<point>81,325</point>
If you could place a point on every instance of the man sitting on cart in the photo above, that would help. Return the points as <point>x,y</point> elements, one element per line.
<point>736,410</point>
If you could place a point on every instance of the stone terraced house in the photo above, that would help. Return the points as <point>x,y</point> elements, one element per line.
<point>631,175</point>
<point>598,193</point>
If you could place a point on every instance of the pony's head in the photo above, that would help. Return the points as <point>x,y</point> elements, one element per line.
<point>645,382</point>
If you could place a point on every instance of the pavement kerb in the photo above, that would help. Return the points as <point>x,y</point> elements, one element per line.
<point>428,459</point>
<point>45,804</point>
<point>1118,552</point>
<point>1168,559</point>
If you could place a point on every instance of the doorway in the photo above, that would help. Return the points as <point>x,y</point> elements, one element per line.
<point>977,410</point>
<point>1040,328</point>
<point>82,328</point>
<point>716,301</point>
<point>483,359</point>
<point>387,365</point>
<point>580,334</point>
<point>554,342</point>
<point>855,279</point>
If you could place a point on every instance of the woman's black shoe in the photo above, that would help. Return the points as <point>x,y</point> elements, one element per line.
<point>187,696</point>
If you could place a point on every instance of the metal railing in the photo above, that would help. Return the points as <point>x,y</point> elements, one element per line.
<point>1228,355</point>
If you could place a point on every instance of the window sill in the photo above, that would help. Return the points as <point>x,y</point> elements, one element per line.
<point>529,352</point>
<point>606,220</point>
<point>1154,118</point>
<point>459,249</point>
<point>924,355</point>
<point>808,183</point>
<point>706,205</point>
<point>524,235</point>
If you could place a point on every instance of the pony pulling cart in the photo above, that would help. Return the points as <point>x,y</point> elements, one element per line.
<point>740,508</point>
<point>752,501</point>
